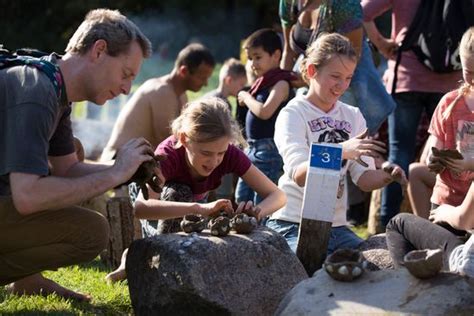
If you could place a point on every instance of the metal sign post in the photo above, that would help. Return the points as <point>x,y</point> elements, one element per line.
<point>319,202</point>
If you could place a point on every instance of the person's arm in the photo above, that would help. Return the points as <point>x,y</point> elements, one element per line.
<point>460,217</point>
<point>288,56</point>
<point>376,179</point>
<point>278,94</point>
<point>355,37</point>
<point>386,46</point>
<point>33,193</point>
<point>154,208</point>
<point>274,198</point>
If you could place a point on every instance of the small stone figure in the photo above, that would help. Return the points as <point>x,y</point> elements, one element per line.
<point>193,223</point>
<point>219,226</point>
<point>345,264</point>
<point>424,264</point>
<point>243,223</point>
<point>437,163</point>
<point>145,175</point>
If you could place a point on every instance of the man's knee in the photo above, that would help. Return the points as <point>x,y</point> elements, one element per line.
<point>94,234</point>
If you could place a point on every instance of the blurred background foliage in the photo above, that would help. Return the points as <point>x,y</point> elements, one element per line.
<point>170,25</point>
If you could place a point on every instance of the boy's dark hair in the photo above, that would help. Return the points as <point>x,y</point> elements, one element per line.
<point>267,39</point>
<point>194,55</point>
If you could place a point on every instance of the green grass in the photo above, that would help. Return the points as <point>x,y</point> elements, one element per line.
<point>87,278</point>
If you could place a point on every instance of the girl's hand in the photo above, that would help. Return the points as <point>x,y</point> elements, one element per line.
<point>215,207</point>
<point>249,209</point>
<point>459,165</point>
<point>395,172</point>
<point>241,97</point>
<point>441,214</point>
<point>359,146</point>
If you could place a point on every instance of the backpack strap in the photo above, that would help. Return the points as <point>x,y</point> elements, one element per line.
<point>50,69</point>
<point>410,37</point>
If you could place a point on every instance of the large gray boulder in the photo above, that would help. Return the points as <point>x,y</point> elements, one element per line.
<point>384,292</point>
<point>200,274</point>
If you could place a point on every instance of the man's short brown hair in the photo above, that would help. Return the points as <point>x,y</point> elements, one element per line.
<point>111,26</point>
<point>194,55</point>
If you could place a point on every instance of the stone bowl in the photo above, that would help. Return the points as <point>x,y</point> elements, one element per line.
<point>219,226</point>
<point>424,264</point>
<point>345,265</point>
<point>243,224</point>
<point>193,223</point>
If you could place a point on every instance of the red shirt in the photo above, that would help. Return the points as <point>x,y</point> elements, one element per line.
<point>456,132</point>
<point>175,168</point>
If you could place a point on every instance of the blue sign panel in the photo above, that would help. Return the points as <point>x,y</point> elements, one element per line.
<point>326,156</point>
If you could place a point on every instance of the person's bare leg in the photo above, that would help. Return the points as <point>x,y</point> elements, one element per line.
<point>420,188</point>
<point>36,284</point>
<point>118,274</point>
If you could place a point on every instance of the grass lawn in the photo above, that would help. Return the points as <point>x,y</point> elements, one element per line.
<point>87,278</point>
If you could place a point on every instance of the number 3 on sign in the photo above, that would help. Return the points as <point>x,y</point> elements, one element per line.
<point>326,156</point>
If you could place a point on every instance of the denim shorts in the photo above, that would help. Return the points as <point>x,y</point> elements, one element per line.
<point>341,236</point>
<point>264,155</point>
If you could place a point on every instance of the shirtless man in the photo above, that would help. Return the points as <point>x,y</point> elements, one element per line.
<point>41,177</point>
<point>159,100</point>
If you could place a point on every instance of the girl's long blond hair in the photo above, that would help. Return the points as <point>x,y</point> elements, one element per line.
<point>207,120</point>
<point>466,50</point>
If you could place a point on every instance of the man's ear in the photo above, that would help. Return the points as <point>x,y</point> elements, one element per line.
<point>311,70</point>
<point>99,49</point>
<point>183,70</point>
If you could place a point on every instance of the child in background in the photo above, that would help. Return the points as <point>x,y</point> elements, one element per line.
<point>318,117</point>
<point>267,96</point>
<point>199,153</point>
<point>452,127</point>
<point>232,79</point>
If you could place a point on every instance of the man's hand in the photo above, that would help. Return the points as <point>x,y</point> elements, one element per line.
<point>130,156</point>
<point>359,146</point>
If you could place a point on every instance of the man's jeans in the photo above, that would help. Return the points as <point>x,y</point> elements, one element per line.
<point>341,236</point>
<point>402,128</point>
<point>263,153</point>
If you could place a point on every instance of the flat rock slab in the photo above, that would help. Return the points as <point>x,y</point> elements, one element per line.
<point>385,292</point>
<point>200,274</point>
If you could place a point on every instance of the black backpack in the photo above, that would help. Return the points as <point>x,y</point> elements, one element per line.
<point>435,33</point>
<point>34,58</point>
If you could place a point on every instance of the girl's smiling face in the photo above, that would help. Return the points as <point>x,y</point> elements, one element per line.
<point>330,81</point>
<point>203,158</point>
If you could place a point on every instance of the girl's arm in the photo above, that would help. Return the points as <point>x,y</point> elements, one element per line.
<point>278,94</point>
<point>432,141</point>
<point>274,198</point>
<point>460,217</point>
<point>153,208</point>
<point>376,179</point>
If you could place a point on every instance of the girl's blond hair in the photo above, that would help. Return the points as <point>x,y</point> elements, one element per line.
<point>207,120</point>
<point>323,49</point>
<point>466,50</point>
